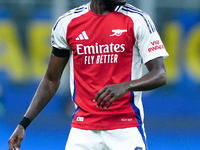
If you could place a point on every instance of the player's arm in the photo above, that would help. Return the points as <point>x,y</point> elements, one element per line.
<point>43,95</point>
<point>48,85</point>
<point>155,78</point>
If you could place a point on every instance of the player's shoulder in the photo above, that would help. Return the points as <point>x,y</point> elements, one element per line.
<point>78,10</point>
<point>132,11</point>
<point>73,13</point>
<point>139,17</point>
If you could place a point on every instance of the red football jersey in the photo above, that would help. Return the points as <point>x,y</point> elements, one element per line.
<point>106,49</point>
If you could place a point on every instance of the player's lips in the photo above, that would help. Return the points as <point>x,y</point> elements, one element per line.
<point>119,1</point>
<point>122,2</point>
<point>115,2</point>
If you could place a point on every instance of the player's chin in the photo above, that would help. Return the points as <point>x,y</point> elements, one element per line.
<point>118,2</point>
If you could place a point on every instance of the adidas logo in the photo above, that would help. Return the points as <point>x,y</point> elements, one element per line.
<point>82,36</point>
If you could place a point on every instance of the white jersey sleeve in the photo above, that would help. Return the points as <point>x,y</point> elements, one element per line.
<point>148,40</point>
<point>59,31</point>
<point>58,35</point>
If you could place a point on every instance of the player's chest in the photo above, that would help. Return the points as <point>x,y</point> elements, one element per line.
<point>100,34</point>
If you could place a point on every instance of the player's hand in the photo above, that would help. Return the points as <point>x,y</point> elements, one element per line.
<point>110,93</point>
<point>16,138</point>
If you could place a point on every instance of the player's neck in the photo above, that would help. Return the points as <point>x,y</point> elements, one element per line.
<point>99,7</point>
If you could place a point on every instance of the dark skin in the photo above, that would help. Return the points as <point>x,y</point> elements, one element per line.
<point>154,79</point>
<point>50,83</point>
<point>42,97</point>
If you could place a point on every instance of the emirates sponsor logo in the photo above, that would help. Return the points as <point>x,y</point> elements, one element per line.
<point>100,54</point>
<point>99,49</point>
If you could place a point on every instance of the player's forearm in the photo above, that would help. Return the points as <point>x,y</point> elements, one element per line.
<point>150,81</point>
<point>43,95</point>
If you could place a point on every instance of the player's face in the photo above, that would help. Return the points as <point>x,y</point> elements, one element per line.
<point>115,2</point>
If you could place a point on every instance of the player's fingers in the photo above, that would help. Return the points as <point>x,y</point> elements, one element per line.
<point>18,145</point>
<point>17,148</point>
<point>101,98</point>
<point>98,94</point>
<point>111,101</point>
<point>12,143</point>
<point>106,99</point>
